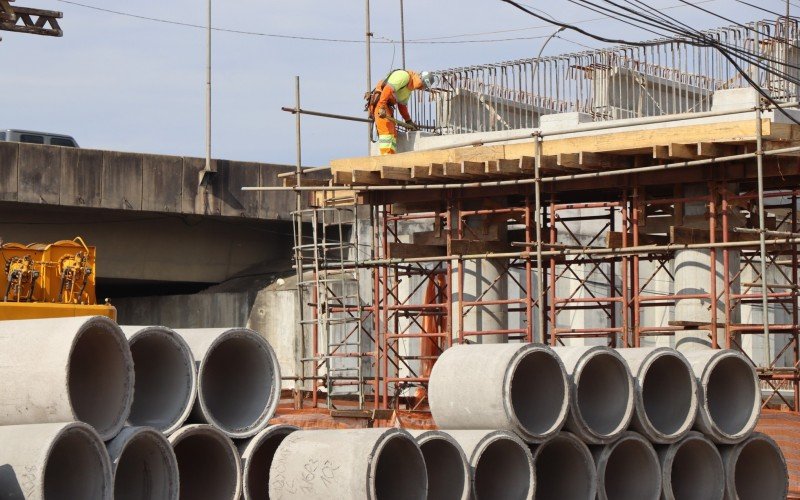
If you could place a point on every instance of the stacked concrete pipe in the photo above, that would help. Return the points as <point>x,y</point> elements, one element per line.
<point>665,397</point>
<point>54,461</point>
<point>66,369</point>
<point>490,387</point>
<point>602,392</point>
<point>257,454</point>
<point>143,465</point>
<point>239,379</point>
<point>208,463</point>
<point>449,473</point>
<point>755,469</point>
<point>691,469</point>
<point>357,464</point>
<point>627,469</point>
<point>166,378</point>
<point>502,464</point>
<point>564,469</point>
<point>730,394</point>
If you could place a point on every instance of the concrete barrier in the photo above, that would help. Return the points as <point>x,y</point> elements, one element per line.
<point>564,469</point>
<point>65,369</point>
<point>143,465</point>
<point>730,395</point>
<point>691,469</point>
<point>166,378</point>
<point>41,461</point>
<point>208,463</point>
<point>627,469</point>
<point>449,473</point>
<point>665,398</point>
<point>502,464</point>
<point>490,387</point>
<point>239,380</point>
<point>601,399</point>
<point>755,469</point>
<point>357,464</point>
<point>257,454</point>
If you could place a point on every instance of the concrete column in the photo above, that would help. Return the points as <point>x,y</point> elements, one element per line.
<point>357,464</point>
<point>144,465</point>
<point>484,279</point>
<point>239,379</point>
<point>166,378</point>
<point>65,369</point>
<point>40,461</point>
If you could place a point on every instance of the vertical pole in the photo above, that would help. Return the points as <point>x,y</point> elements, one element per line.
<point>637,216</point>
<point>795,312</point>
<point>726,267</point>
<point>762,246</point>
<point>528,272</point>
<point>712,267</point>
<point>403,32</point>
<point>208,91</point>
<point>369,70</point>
<point>537,214</point>
<point>298,256</point>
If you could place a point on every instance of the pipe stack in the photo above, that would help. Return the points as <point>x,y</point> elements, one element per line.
<point>91,410</point>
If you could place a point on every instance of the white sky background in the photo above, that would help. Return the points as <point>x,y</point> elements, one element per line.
<point>127,84</point>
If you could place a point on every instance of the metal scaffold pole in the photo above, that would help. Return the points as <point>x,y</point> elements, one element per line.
<point>298,254</point>
<point>762,237</point>
<point>369,69</point>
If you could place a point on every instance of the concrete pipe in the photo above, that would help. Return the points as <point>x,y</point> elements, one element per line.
<point>65,369</point>
<point>166,378</point>
<point>257,454</point>
<point>665,398</point>
<point>208,463</point>
<point>627,469</point>
<point>357,464</point>
<point>239,380</point>
<point>691,469</point>
<point>449,473</point>
<point>521,388</point>
<point>601,399</point>
<point>502,465</point>
<point>143,465</point>
<point>730,396</point>
<point>564,469</point>
<point>42,461</point>
<point>755,469</point>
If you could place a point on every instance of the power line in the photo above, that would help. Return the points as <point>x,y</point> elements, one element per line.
<point>290,37</point>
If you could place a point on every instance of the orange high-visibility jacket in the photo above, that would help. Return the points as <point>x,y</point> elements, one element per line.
<point>388,99</point>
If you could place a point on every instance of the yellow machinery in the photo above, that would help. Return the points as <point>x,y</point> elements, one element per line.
<point>50,281</point>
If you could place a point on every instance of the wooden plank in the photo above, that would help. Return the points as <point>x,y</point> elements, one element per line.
<point>413,158</point>
<point>429,238</point>
<point>469,247</point>
<point>454,170</point>
<point>588,159</point>
<point>368,177</point>
<point>715,150</point>
<point>683,151</point>
<point>421,172</point>
<point>569,160</point>
<point>503,167</point>
<point>395,173</point>
<point>410,250</point>
<point>342,178</point>
<point>436,170</point>
<point>473,168</point>
<point>687,235</point>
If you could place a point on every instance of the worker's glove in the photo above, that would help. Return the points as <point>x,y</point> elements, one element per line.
<point>382,113</point>
<point>410,125</point>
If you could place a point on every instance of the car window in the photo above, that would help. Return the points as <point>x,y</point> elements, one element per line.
<point>33,139</point>
<point>2,136</point>
<point>62,141</point>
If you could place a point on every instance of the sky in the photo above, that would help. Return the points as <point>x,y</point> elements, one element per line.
<point>124,83</point>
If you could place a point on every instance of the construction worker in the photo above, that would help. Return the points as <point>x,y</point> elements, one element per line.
<point>395,90</point>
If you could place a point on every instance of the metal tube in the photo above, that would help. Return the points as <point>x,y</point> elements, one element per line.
<point>369,68</point>
<point>762,236</point>
<point>402,34</point>
<point>538,234</point>
<point>208,91</point>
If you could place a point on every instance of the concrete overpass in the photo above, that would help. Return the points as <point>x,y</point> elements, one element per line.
<point>156,230</point>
